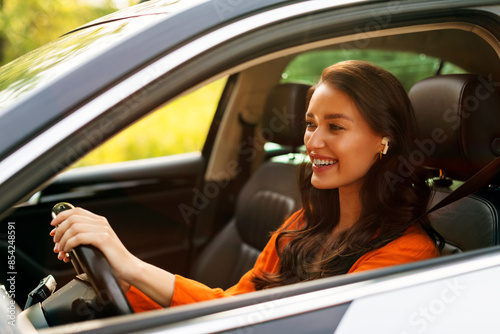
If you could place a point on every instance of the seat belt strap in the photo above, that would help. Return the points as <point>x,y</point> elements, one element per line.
<point>473,184</point>
<point>246,151</point>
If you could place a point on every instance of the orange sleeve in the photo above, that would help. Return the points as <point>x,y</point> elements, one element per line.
<point>140,302</point>
<point>414,245</point>
<point>188,291</point>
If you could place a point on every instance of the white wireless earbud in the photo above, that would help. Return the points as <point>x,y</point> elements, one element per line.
<point>385,142</point>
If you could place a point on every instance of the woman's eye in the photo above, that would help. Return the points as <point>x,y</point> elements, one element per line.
<point>310,125</point>
<point>335,127</point>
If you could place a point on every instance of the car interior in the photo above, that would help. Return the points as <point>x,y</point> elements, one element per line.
<point>259,108</point>
<point>270,194</point>
<point>449,103</point>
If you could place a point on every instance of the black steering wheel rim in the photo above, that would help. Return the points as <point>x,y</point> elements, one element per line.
<point>102,279</point>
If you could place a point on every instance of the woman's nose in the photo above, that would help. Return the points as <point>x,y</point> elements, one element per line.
<point>314,139</point>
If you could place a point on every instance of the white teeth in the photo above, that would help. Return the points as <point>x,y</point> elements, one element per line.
<point>320,162</point>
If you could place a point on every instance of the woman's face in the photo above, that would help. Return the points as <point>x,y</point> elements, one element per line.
<point>340,143</point>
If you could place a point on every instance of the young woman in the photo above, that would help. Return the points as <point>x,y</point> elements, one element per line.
<point>360,201</point>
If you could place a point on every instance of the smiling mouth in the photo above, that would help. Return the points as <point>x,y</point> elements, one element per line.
<point>322,162</point>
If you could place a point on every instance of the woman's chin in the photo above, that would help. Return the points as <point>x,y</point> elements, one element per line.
<point>321,185</point>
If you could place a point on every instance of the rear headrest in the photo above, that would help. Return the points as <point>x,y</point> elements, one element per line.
<point>458,117</point>
<point>284,114</point>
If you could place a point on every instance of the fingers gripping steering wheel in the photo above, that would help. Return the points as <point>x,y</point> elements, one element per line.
<point>90,260</point>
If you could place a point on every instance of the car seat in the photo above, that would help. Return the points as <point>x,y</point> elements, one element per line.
<point>458,117</point>
<point>268,197</point>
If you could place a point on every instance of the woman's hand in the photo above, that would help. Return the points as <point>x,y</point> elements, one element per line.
<point>77,226</point>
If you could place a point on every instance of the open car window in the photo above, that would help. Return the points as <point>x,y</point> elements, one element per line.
<point>177,127</point>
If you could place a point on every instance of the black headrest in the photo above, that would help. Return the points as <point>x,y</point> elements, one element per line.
<point>458,117</point>
<point>284,114</point>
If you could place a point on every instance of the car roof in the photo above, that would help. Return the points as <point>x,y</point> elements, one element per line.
<point>146,8</point>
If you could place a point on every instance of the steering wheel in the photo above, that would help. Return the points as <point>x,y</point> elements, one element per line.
<point>91,261</point>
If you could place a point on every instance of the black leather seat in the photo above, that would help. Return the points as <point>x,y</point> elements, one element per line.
<point>459,133</point>
<point>266,200</point>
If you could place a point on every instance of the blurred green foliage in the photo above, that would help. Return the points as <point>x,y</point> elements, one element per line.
<point>407,67</point>
<point>178,127</point>
<point>28,24</point>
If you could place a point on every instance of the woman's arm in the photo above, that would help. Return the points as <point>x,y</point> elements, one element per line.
<point>80,227</point>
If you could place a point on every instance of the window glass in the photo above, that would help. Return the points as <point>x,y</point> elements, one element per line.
<point>408,67</point>
<point>179,127</point>
<point>38,68</point>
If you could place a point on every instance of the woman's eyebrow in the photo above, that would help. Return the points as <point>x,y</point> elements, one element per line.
<point>337,116</point>
<point>331,116</point>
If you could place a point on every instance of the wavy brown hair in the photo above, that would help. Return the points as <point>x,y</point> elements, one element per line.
<point>395,196</point>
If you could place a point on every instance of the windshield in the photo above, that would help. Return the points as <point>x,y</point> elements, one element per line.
<point>41,66</point>
<point>36,68</point>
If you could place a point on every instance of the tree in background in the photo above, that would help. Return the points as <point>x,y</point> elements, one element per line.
<point>28,24</point>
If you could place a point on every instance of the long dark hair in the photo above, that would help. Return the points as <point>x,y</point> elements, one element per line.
<point>395,195</point>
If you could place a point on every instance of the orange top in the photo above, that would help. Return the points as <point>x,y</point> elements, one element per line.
<point>413,245</point>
